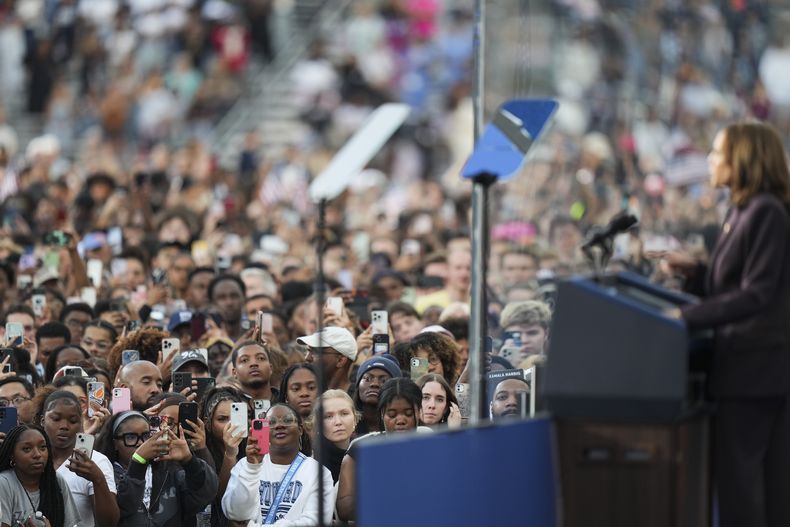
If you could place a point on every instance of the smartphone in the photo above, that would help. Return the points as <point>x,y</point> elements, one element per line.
<point>261,407</point>
<point>95,396</point>
<point>379,321</point>
<point>510,354</point>
<point>410,248</point>
<point>75,371</point>
<point>197,326</point>
<point>118,268</point>
<point>204,384</point>
<point>128,356</point>
<point>513,336</point>
<point>169,347</point>
<point>264,321</point>
<point>57,238</point>
<point>260,431</point>
<point>8,368</point>
<point>181,380</point>
<point>14,332</point>
<point>223,263</point>
<point>419,367</point>
<point>133,325</point>
<point>381,344</point>
<point>121,400</point>
<point>95,269</point>
<point>39,302</point>
<point>88,295</point>
<point>187,411</point>
<point>335,304</point>
<point>238,418</point>
<point>158,276</point>
<point>464,404</point>
<point>85,443</point>
<point>7,418</point>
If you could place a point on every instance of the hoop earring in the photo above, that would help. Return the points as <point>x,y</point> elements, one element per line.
<point>13,463</point>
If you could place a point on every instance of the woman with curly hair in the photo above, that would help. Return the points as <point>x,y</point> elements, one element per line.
<point>440,350</point>
<point>30,489</point>
<point>147,341</point>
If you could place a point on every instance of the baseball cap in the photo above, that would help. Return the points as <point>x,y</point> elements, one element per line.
<point>383,362</point>
<point>178,318</point>
<point>339,339</point>
<point>193,355</point>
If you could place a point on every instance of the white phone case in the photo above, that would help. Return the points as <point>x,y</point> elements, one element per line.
<point>85,443</point>
<point>379,321</point>
<point>239,418</point>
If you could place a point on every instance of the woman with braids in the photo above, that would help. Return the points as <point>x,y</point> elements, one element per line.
<point>281,486</point>
<point>223,442</point>
<point>90,479</point>
<point>31,493</point>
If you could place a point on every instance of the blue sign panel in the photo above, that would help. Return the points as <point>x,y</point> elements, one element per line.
<point>501,150</point>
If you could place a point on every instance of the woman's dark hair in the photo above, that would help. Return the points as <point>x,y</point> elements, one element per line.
<point>50,498</point>
<point>170,398</point>
<point>72,380</point>
<point>104,441</point>
<point>399,388</point>
<point>287,377</point>
<point>448,392</point>
<point>305,446</point>
<point>50,370</point>
<point>103,324</point>
<point>210,402</point>
<point>19,358</point>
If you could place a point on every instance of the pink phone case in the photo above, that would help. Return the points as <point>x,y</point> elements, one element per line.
<point>121,400</point>
<point>260,431</point>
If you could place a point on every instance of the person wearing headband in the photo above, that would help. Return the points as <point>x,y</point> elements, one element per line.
<point>159,481</point>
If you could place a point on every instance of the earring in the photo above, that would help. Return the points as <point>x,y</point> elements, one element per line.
<point>13,463</point>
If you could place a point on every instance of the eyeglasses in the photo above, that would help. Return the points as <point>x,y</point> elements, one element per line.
<point>288,420</point>
<point>14,401</point>
<point>369,379</point>
<point>132,439</point>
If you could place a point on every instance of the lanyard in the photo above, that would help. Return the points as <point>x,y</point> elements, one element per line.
<point>295,464</point>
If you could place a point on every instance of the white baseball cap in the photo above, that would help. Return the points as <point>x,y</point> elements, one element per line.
<point>339,339</point>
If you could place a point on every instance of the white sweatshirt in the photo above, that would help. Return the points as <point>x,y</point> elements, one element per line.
<point>252,488</point>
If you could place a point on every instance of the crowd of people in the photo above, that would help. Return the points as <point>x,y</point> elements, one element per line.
<point>136,286</point>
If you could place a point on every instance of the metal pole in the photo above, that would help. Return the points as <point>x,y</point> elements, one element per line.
<point>320,244</point>
<point>477,320</point>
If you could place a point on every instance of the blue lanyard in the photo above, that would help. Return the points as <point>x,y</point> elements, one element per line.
<point>295,464</point>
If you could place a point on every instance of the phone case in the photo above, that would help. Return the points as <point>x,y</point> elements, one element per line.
<point>379,322</point>
<point>335,304</point>
<point>121,400</point>
<point>260,431</point>
<point>187,411</point>
<point>7,418</point>
<point>464,404</point>
<point>13,333</point>
<point>264,321</point>
<point>181,380</point>
<point>39,302</point>
<point>419,367</point>
<point>170,346</point>
<point>94,271</point>
<point>85,443</point>
<point>381,344</point>
<point>204,384</point>
<point>261,407</point>
<point>238,417</point>
<point>95,395</point>
<point>128,356</point>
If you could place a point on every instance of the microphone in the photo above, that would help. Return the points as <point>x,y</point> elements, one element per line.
<point>620,223</point>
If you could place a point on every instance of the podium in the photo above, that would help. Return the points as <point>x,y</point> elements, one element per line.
<point>625,385</point>
<point>614,355</point>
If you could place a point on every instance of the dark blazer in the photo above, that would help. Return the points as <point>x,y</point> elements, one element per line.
<point>747,301</point>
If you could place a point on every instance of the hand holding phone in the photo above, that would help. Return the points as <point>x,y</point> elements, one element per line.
<point>335,305</point>
<point>187,412</point>
<point>14,333</point>
<point>84,444</point>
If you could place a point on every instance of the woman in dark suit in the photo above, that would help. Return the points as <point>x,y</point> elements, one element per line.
<point>746,300</point>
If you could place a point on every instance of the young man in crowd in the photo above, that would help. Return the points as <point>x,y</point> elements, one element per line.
<point>76,316</point>
<point>49,337</point>
<point>253,370</point>
<point>144,381</point>
<point>18,393</point>
<point>196,294</point>
<point>404,321</point>
<point>227,293</point>
<point>456,288</point>
<point>336,348</point>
